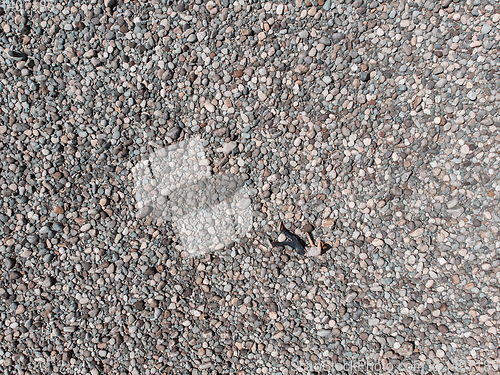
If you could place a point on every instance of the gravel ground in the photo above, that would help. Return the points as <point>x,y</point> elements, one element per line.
<point>381,115</point>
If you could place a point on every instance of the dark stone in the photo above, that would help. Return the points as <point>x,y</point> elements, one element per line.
<point>143,212</point>
<point>139,305</point>
<point>33,239</point>
<point>67,355</point>
<point>57,227</point>
<point>364,76</point>
<point>308,228</point>
<point>174,133</point>
<point>9,263</point>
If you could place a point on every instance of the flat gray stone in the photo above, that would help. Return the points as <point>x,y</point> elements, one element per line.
<point>144,211</point>
<point>324,332</point>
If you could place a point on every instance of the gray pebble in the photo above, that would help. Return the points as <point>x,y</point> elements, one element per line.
<point>33,239</point>
<point>143,212</point>
<point>9,263</point>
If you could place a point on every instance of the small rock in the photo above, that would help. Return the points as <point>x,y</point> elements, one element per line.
<point>57,227</point>
<point>209,106</point>
<point>303,34</point>
<point>328,223</point>
<point>324,332</point>
<point>17,56</point>
<point>14,275</point>
<point>167,75</point>
<point>228,147</point>
<point>453,202</point>
<point>326,41</point>
<point>443,329</point>
<point>417,232</point>
<point>348,299</point>
<point>139,305</point>
<point>48,282</point>
<point>67,355</point>
<point>85,227</point>
<point>373,321</point>
<point>110,269</point>
<point>174,133</point>
<point>406,349</point>
<point>308,228</point>
<point>364,76</point>
<point>19,128</point>
<point>144,211</point>
<point>486,28</point>
<point>301,69</point>
<point>201,35</point>
<point>456,212</point>
<point>211,6</point>
<point>472,342</point>
<point>33,239</point>
<point>9,263</point>
<point>313,251</point>
<point>406,49</point>
<point>386,280</point>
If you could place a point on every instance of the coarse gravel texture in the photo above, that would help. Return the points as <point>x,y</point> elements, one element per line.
<point>381,115</point>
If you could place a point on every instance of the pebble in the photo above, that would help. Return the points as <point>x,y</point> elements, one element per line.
<point>143,212</point>
<point>16,55</point>
<point>303,34</point>
<point>328,223</point>
<point>456,212</point>
<point>324,40</point>
<point>228,147</point>
<point>453,202</point>
<point>313,251</point>
<point>9,263</point>
<point>174,133</point>
<point>364,76</point>
<point>405,23</point>
<point>406,349</point>
<point>338,36</point>
<point>33,239</point>
<point>324,332</point>
<point>209,106</point>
